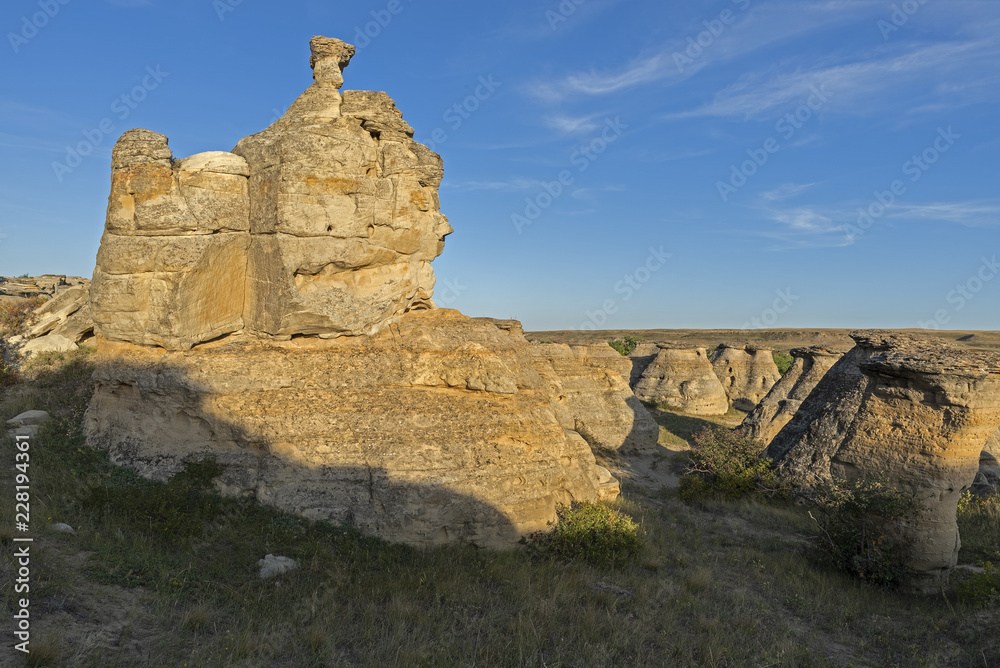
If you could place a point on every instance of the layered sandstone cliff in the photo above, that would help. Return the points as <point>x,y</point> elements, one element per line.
<point>781,403</point>
<point>682,378</point>
<point>915,412</point>
<point>746,372</point>
<point>590,384</point>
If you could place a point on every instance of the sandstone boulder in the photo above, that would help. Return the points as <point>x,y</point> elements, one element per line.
<point>781,403</point>
<point>914,412</point>
<point>682,377</point>
<point>437,431</point>
<point>746,372</point>
<point>66,315</point>
<point>591,389</point>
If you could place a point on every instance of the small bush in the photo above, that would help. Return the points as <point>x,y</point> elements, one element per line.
<point>624,346</point>
<point>864,529</point>
<point>979,588</point>
<point>783,361</point>
<point>728,464</point>
<point>591,532</point>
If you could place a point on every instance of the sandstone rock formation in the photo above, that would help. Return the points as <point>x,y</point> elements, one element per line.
<point>61,323</point>
<point>641,357</point>
<point>781,403</point>
<point>272,308</point>
<point>682,377</point>
<point>746,372</point>
<point>47,285</point>
<point>591,389</point>
<point>323,224</point>
<point>912,411</point>
<point>437,430</point>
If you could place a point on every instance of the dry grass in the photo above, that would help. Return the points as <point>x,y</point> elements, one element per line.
<point>721,584</point>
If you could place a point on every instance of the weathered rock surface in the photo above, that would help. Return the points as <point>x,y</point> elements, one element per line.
<point>47,285</point>
<point>591,389</point>
<point>66,315</point>
<point>323,224</point>
<point>912,411</point>
<point>272,308</point>
<point>438,430</point>
<point>781,403</point>
<point>682,377</point>
<point>641,357</point>
<point>746,372</point>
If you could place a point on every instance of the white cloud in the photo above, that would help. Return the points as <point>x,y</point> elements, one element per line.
<point>972,214</point>
<point>786,191</point>
<point>573,124</point>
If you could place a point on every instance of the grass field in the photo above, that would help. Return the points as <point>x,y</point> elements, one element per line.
<point>165,575</point>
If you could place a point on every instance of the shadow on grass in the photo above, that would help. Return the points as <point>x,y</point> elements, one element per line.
<point>682,426</point>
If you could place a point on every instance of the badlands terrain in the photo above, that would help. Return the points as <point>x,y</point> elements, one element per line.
<point>255,440</point>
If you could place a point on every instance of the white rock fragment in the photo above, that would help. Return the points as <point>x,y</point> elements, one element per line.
<point>271,565</point>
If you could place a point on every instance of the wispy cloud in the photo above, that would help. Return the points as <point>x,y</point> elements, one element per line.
<point>762,26</point>
<point>864,85</point>
<point>574,124</point>
<point>972,214</point>
<point>786,191</point>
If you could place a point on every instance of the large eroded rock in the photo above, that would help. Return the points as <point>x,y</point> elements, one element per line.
<point>746,372</point>
<point>437,431</point>
<point>272,308</point>
<point>912,411</point>
<point>590,384</point>
<point>323,224</point>
<point>682,378</point>
<point>781,403</point>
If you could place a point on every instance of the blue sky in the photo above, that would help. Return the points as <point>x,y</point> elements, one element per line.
<point>608,163</point>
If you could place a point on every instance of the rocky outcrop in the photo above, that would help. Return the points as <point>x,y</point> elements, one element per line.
<point>746,372</point>
<point>593,397</point>
<point>47,285</point>
<point>272,308</point>
<point>640,358</point>
<point>323,224</point>
<point>781,403</point>
<point>912,411</point>
<point>682,378</point>
<point>438,430</point>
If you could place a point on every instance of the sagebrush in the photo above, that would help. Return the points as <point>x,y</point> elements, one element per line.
<point>728,464</point>
<point>592,532</point>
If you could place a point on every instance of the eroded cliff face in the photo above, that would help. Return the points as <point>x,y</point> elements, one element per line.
<point>682,377</point>
<point>272,308</point>
<point>746,372</point>
<point>783,400</point>
<point>911,411</point>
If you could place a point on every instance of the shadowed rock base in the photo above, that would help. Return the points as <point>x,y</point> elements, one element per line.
<point>435,431</point>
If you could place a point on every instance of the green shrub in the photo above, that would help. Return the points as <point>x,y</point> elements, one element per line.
<point>170,511</point>
<point>591,532</point>
<point>728,464</point>
<point>784,361</point>
<point>624,346</point>
<point>979,588</point>
<point>979,526</point>
<point>865,530</point>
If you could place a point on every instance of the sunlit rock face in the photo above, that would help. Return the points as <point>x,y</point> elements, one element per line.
<point>911,411</point>
<point>747,373</point>
<point>682,377</point>
<point>323,224</point>
<point>271,308</point>
<point>783,400</point>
